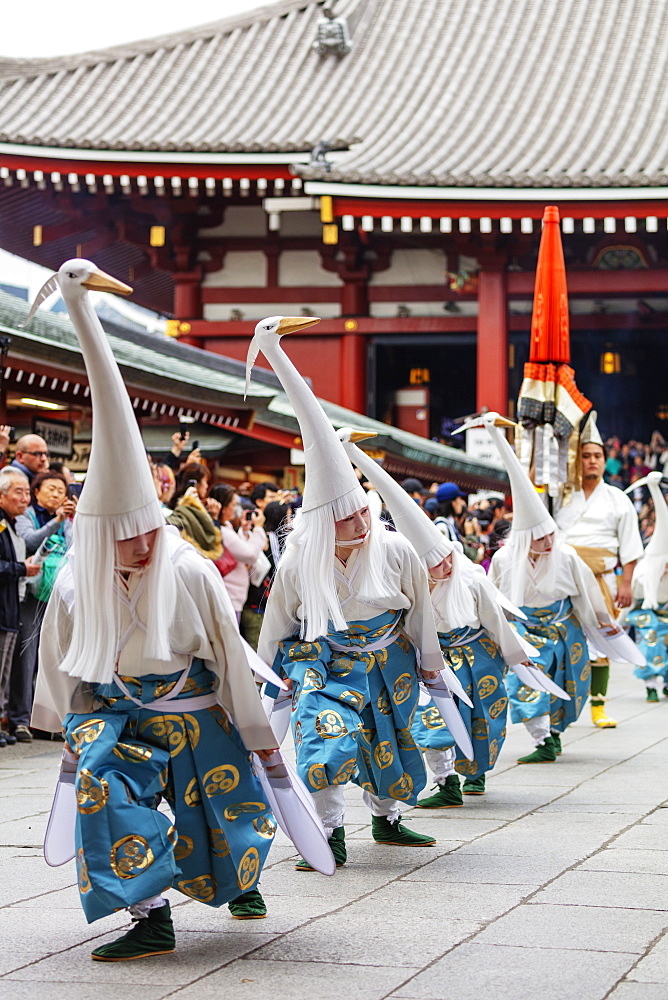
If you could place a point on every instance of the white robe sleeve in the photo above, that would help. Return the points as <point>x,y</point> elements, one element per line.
<point>419,621</point>
<point>628,532</point>
<point>496,625</point>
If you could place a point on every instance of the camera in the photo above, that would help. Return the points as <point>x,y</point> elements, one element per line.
<point>248,515</point>
<point>192,482</point>
<point>195,445</point>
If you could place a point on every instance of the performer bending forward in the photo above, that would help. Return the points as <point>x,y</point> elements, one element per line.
<point>348,608</point>
<point>142,663</point>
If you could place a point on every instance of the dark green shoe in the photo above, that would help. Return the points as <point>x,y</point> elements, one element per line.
<point>556,739</point>
<point>474,786</point>
<point>396,835</point>
<point>337,842</point>
<point>652,694</point>
<point>544,753</point>
<point>151,935</point>
<point>249,906</point>
<point>447,796</point>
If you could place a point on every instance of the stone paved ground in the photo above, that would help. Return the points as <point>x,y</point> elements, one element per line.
<point>552,886</point>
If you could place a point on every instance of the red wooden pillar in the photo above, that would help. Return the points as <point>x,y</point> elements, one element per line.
<point>352,374</point>
<point>188,301</point>
<point>492,346</point>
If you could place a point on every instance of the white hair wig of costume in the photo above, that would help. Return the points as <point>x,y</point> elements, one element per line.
<point>452,598</point>
<point>94,645</point>
<point>313,540</point>
<point>543,573</point>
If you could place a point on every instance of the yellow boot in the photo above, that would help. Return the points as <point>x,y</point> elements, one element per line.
<point>599,718</point>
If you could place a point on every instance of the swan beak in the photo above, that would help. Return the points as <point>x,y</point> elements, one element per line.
<point>289,324</point>
<point>356,436</point>
<point>504,422</point>
<point>99,281</point>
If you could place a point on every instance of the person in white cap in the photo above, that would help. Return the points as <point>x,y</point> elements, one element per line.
<point>142,665</point>
<point>348,608</point>
<point>476,639</point>
<point>601,524</point>
<point>558,594</point>
<point>649,615</point>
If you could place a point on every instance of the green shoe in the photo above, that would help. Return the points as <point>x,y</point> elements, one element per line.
<point>556,739</point>
<point>249,906</point>
<point>151,935</point>
<point>396,835</point>
<point>337,842</point>
<point>447,796</point>
<point>474,786</point>
<point>544,753</point>
<point>652,694</point>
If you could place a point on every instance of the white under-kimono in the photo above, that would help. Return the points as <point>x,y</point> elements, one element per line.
<point>605,520</point>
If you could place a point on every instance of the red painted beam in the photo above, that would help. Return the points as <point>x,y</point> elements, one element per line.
<point>492,343</point>
<point>271,435</point>
<point>413,209</point>
<point>270,171</point>
<point>640,282</point>
<point>337,327</point>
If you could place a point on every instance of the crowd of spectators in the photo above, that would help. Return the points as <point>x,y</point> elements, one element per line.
<point>241,528</point>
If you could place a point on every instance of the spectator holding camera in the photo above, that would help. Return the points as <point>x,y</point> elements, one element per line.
<point>244,545</point>
<point>194,511</point>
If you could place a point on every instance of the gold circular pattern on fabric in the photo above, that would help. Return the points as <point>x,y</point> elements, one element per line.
<point>379,656</point>
<point>536,640</point>
<point>383,754</point>
<point>221,780</point>
<point>571,688</point>
<point>202,888</point>
<point>383,703</point>
<point>586,671</point>
<point>527,694</point>
<point>240,808</point>
<point>87,732</point>
<point>560,714</point>
<point>132,752</point>
<point>657,661</point>
<point>405,739</point>
<point>218,842</point>
<point>192,796</point>
<point>402,789</point>
<point>341,666</point>
<point>498,707</point>
<point>432,719</point>
<point>479,729</point>
<point>487,685</point>
<point>172,835</point>
<point>130,856</point>
<point>345,772</point>
<point>172,732</point>
<point>329,725</point>
<point>651,637</point>
<point>300,651</point>
<point>317,776</point>
<point>313,680</point>
<point>403,687</point>
<point>264,827</point>
<point>249,869</point>
<point>464,766</point>
<point>577,651</point>
<point>220,715</point>
<point>354,698</point>
<point>83,878</point>
<point>92,792</point>
<point>489,646</point>
<point>493,752</point>
<point>455,657</point>
<point>367,734</point>
<point>183,848</point>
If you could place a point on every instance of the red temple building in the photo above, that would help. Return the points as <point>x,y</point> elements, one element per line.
<point>383,164</point>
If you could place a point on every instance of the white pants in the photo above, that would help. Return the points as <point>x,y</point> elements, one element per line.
<point>331,806</point>
<point>441,763</point>
<point>538,728</point>
<point>655,682</point>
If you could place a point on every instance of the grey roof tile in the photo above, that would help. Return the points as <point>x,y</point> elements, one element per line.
<point>483,93</point>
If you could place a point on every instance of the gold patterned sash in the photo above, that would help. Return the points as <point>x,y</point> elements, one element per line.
<point>595,559</point>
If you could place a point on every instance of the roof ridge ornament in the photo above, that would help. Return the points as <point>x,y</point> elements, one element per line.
<point>332,35</point>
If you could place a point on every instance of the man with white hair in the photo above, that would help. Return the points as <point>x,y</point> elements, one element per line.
<point>14,568</point>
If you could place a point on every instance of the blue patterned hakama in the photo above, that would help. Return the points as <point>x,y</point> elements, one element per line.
<point>130,759</point>
<point>353,701</point>
<point>651,628</point>
<point>557,635</point>
<point>477,661</point>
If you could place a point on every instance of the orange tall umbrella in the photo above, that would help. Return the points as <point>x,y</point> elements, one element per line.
<point>550,331</point>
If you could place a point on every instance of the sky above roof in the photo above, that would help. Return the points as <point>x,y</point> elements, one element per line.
<point>54,29</point>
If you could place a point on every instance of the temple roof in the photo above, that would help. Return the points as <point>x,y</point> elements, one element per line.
<point>463,93</point>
